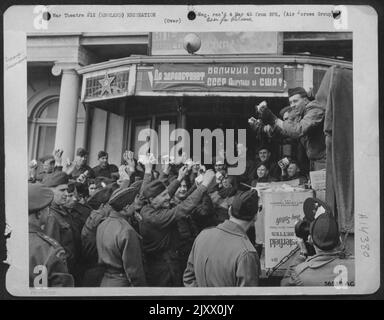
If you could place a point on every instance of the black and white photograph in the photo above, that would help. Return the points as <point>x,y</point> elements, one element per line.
<point>191,160</point>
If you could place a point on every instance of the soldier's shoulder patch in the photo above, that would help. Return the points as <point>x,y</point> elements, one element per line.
<point>48,239</point>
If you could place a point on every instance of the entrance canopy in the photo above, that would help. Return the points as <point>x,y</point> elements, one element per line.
<point>246,75</point>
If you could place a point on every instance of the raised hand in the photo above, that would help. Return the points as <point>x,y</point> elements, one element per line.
<point>183,171</point>
<point>57,154</point>
<point>209,177</point>
<point>166,164</point>
<point>146,160</point>
<point>69,166</point>
<point>261,106</point>
<point>189,163</point>
<point>125,156</point>
<point>33,164</point>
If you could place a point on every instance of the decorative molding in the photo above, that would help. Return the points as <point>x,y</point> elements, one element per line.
<point>60,67</point>
<point>62,48</point>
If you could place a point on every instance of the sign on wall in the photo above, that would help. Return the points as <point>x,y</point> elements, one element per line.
<point>282,210</point>
<point>108,84</point>
<point>171,43</point>
<point>262,77</point>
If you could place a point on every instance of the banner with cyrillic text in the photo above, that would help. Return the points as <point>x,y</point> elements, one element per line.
<point>263,77</point>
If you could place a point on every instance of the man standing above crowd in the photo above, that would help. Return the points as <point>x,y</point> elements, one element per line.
<point>223,256</point>
<point>104,169</point>
<point>44,252</point>
<point>305,122</point>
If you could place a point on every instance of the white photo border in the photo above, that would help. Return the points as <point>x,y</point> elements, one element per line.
<point>362,21</point>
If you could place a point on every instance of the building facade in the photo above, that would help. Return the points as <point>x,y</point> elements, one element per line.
<point>99,91</point>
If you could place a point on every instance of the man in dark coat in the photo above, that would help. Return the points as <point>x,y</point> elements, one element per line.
<point>80,166</point>
<point>44,252</point>
<point>58,222</point>
<point>159,228</point>
<point>189,226</point>
<point>305,122</point>
<point>101,210</point>
<point>105,169</point>
<point>223,256</point>
<point>119,245</point>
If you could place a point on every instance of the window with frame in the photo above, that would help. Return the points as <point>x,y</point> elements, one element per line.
<point>43,128</point>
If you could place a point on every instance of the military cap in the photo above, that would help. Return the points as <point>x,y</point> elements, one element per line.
<point>154,188</point>
<point>122,197</point>
<point>39,197</point>
<point>102,154</point>
<point>245,205</point>
<point>325,232</point>
<point>100,197</point>
<point>56,178</point>
<point>264,147</point>
<point>298,90</point>
<point>81,152</point>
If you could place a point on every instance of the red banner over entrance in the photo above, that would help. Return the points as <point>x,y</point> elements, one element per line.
<point>262,77</point>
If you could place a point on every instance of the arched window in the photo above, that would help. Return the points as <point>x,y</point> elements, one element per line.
<point>47,129</point>
<point>42,127</point>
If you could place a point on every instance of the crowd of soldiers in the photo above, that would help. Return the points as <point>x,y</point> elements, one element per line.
<point>184,225</point>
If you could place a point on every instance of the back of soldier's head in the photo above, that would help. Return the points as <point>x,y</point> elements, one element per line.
<point>245,205</point>
<point>324,232</point>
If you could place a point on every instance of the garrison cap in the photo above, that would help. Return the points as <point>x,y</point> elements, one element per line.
<point>298,90</point>
<point>39,197</point>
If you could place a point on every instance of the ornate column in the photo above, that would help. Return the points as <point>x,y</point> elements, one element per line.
<point>68,104</point>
